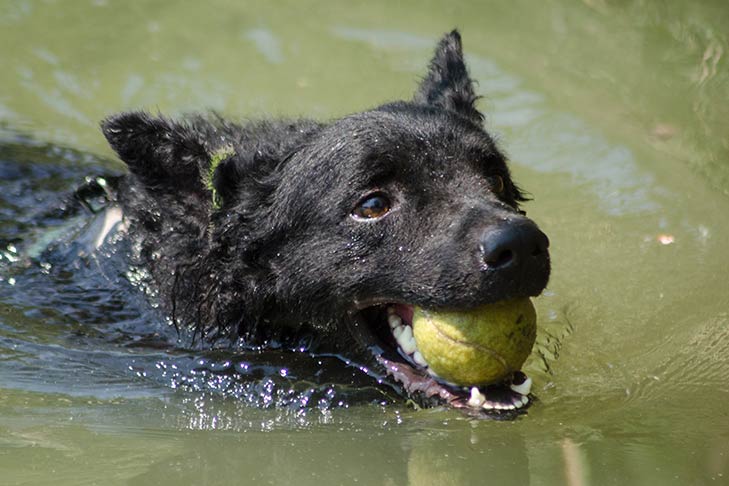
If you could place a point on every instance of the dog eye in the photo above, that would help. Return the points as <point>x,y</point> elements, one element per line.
<point>497,184</point>
<point>372,206</point>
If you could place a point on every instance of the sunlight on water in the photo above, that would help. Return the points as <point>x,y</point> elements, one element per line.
<point>614,118</point>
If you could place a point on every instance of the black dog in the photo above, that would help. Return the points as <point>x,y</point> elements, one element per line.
<point>294,231</point>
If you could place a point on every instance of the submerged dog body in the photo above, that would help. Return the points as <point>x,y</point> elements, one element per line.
<point>297,231</point>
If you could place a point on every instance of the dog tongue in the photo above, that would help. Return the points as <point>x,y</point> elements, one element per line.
<point>476,347</point>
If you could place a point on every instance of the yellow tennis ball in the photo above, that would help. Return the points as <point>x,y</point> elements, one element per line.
<point>476,347</point>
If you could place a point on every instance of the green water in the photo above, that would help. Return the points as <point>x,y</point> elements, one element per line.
<point>616,117</point>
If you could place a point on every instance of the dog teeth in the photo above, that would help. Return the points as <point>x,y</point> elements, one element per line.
<point>477,398</point>
<point>394,321</point>
<point>522,401</point>
<point>397,332</point>
<point>407,341</point>
<point>403,334</point>
<point>490,405</point>
<point>418,358</point>
<point>498,406</point>
<point>523,388</point>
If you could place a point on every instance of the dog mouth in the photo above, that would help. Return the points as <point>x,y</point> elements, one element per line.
<point>387,331</point>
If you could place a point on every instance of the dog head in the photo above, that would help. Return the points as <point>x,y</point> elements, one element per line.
<point>326,226</point>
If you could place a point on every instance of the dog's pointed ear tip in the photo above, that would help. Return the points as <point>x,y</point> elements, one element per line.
<point>113,124</point>
<point>112,127</point>
<point>452,38</point>
<point>110,121</point>
<point>454,34</point>
<point>124,124</point>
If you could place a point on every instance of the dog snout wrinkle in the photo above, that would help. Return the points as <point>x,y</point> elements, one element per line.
<point>513,244</point>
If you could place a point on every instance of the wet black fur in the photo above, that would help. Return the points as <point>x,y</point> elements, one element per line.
<point>282,257</point>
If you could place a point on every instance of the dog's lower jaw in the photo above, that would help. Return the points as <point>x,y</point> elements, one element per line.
<point>395,352</point>
<point>505,400</point>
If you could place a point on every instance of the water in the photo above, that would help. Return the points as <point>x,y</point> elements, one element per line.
<point>615,118</point>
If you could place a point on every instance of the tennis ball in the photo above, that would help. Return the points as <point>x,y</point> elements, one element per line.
<point>476,347</point>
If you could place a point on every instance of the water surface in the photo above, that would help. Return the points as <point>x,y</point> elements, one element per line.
<point>614,115</point>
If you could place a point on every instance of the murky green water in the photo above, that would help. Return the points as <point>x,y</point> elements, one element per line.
<point>615,114</point>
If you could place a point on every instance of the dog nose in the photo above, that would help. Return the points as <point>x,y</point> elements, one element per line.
<point>512,244</point>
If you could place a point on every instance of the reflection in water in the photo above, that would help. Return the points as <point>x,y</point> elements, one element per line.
<point>467,457</point>
<point>609,110</point>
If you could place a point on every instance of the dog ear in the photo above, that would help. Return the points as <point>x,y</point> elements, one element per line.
<point>161,153</point>
<point>247,172</point>
<point>226,177</point>
<point>246,180</point>
<point>447,84</point>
